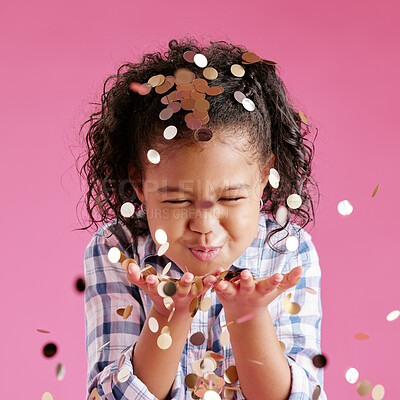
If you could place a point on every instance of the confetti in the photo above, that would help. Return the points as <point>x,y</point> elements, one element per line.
<point>153,324</point>
<point>364,388</point>
<point>239,96</point>
<point>191,380</point>
<point>162,250</point>
<point>361,336</point>
<point>167,268</point>
<point>316,392</point>
<point>310,290</point>
<point>378,392</point>
<point>205,304</point>
<point>319,361</point>
<point>164,341</point>
<point>283,346</point>
<point>237,70</point>
<point>292,243</point>
<point>42,331</point>
<point>60,371</point>
<point>352,375</point>
<point>169,289</point>
<point>115,255</point>
<point>274,178</point>
<point>224,338</point>
<point>248,104</point>
<point>127,262</point>
<point>281,215</point>
<point>204,134</point>
<point>345,207</point>
<point>200,60</point>
<point>211,395</point>
<point>160,236</point>
<point>49,350</point>
<point>210,73</point>
<point>80,285</point>
<point>47,396</point>
<point>393,315</point>
<point>123,375</point>
<point>197,339</point>
<point>303,117</point>
<point>156,80</point>
<point>127,312</point>
<point>230,374</point>
<point>375,191</point>
<point>294,201</point>
<point>170,132</point>
<point>104,345</point>
<point>127,209</point>
<point>189,56</point>
<point>250,57</point>
<point>140,88</point>
<point>153,156</point>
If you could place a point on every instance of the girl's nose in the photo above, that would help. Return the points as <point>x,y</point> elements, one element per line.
<point>203,221</point>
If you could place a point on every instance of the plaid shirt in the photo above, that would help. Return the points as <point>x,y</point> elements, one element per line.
<point>108,289</point>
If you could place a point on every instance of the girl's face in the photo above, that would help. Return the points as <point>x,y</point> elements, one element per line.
<point>207,194</point>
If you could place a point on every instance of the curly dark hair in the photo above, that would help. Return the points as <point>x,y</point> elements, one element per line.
<point>128,125</point>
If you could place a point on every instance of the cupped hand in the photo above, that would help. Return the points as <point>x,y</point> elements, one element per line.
<point>181,298</point>
<point>249,295</point>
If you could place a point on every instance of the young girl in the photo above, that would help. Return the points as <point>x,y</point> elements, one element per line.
<point>205,285</point>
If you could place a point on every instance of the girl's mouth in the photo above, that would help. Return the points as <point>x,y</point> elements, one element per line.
<point>206,256</point>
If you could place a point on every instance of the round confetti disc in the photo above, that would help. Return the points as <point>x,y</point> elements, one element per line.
<point>169,289</point>
<point>210,73</point>
<point>191,380</point>
<point>204,134</point>
<point>361,336</point>
<point>239,96</point>
<point>205,304</point>
<point>352,375</point>
<point>230,374</point>
<point>345,207</point>
<point>166,113</point>
<point>127,209</point>
<point>248,104</point>
<point>211,395</point>
<point>319,361</point>
<point>316,392</point>
<point>153,324</point>
<point>274,181</point>
<point>293,308</point>
<point>189,56</point>
<point>140,88</point>
<point>163,249</point>
<point>170,132</point>
<point>378,392</point>
<point>153,156</point>
<point>164,341</point>
<point>224,337</point>
<point>114,254</point>
<point>364,388</point>
<point>42,331</point>
<point>47,396</point>
<point>292,243</point>
<point>200,60</point>
<point>237,70</point>
<point>294,201</point>
<point>60,371</point>
<point>281,215</point>
<point>49,350</point>
<point>161,236</point>
<point>197,339</point>
<point>123,375</point>
<point>393,315</point>
<point>80,285</point>
<point>194,124</point>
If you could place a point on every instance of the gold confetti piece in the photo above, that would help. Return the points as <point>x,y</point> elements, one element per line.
<point>230,374</point>
<point>123,375</point>
<point>156,80</point>
<point>303,117</point>
<point>168,303</point>
<point>193,304</point>
<point>281,215</point>
<point>248,104</point>
<point>164,341</point>
<point>127,312</point>
<point>375,191</point>
<point>42,331</point>
<point>197,339</point>
<point>393,315</point>
<point>208,364</point>
<point>115,255</point>
<point>205,304</point>
<point>148,270</point>
<point>199,283</point>
<point>345,207</point>
<point>210,73</point>
<point>364,388</point>
<point>319,361</point>
<point>166,330</point>
<point>250,57</point>
<point>293,308</point>
<point>104,345</point>
<point>283,346</point>
<point>310,290</point>
<point>286,300</point>
<point>361,336</point>
<point>378,392</point>
<point>153,324</point>
<point>189,56</point>
<point>228,392</point>
<point>316,392</point>
<point>191,380</point>
<point>216,356</point>
<point>47,396</point>
<point>294,201</point>
<point>153,156</point>
<point>125,263</point>
<point>127,209</point>
<point>224,337</point>
<point>237,70</point>
<point>352,375</point>
<point>162,250</point>
<point>171,314</point>
<point>60,371</point>
<point>94,395</point>
<point>292,243</point>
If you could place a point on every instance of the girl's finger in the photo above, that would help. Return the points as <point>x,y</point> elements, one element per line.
<point>292,278</point>
<point>246,281</point>
<point>226,289</point>
<point>152,284</point>
<point>184,284</point>
<point>208,281</point>
<point>134,275</point>
<point>265,286</point>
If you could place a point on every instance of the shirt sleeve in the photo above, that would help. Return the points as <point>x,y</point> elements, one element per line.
<point>110,339</point>
<point>301,332</point>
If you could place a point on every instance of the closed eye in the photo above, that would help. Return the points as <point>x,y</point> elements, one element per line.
<point>183,201</point>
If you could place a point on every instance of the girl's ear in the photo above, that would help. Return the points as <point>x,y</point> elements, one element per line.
<point>134,179</point>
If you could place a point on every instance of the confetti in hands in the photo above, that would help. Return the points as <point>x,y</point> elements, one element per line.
<point>170,294</point>
<point>243,294</point>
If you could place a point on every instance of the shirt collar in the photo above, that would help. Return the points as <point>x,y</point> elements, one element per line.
<point>248,259</point>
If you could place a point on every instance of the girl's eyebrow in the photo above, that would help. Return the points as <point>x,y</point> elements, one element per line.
<point>169,189</point>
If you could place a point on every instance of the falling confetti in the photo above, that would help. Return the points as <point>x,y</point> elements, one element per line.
<point>361,336</point>
<point>127,209</point>
<point>319,361</point>
<point>152,155</point>
<point>352,375</point>
<point>224,337</point>
<point>123,375</point>
<point>364,388</point>
<point>49,350</point>
<point>345,207</point>
<point>162,250</point>
<point>294,201</point>
<point>393,315</point>
<point>197,339</point>
<point>164,341</point>
<point>80,285</point>
<point>161,236</point>
<point>281,215</point>
<point>375,191</point>
<point>60,371</point>
<point>47,396</point>
<point>42,331</point>
<point>292,243</point>
<point>153,324</point>
<point>378,392</point>
<point>170,132</point>
<point>200,60</point>
<point>104,345</point>
<point>115,255</point>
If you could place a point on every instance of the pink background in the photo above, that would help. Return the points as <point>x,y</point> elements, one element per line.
<point>340,61</point>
